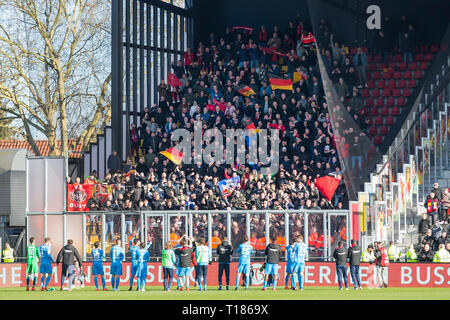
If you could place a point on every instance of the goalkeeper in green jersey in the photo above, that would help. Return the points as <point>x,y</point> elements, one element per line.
<point>33,257</point>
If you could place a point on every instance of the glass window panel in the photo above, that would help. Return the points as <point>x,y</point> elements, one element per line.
<point>277,228</point>
<point>337,232</point>
<point>113,229</point>
<point>93,231</point>
<point>177,228</point>
<point>296,225</point>
<point>238,231</point>
<point>315,232</point>
<point>132,227</point>
<point>200,226</point>
<point>74,230</point>
<point>155,225</point>
<point>258,233</point>
<point>55,232</point>
<point>36,228</point>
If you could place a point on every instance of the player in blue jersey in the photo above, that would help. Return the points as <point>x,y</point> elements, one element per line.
<point>142,257</point>
<point>300,250</point>
<point>117,255</point>
<point>97,265</point>
<point>290,254</point>
<point>46,263</point>
<point>134,246</point>
<point>245,250</point>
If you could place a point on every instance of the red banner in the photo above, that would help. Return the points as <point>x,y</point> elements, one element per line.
<point>316,274</point>
<point>78,196</point>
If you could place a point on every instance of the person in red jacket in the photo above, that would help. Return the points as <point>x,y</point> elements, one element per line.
<point>188,57</point>
<point>382,263</point>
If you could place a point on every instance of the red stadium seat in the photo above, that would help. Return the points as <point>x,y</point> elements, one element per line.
<point>389,121</point>
<point>390,102</point>
<point>418,75</point>
<point>373,112</point>
<point>398,58</point>
<point>364,111</point>
<point>392,65</point>
<point>397,75</point>
<point>369,103</point>
<point>386,93</point>
<point>434,48</point>
<point>423,66</point>
<point>407,75</point>
<point>381,65</point>
<point>406,92</point>
<point>371,84</point>
<point>375,93</point>
<point>403,66</point>
<point>401,102</point>
<point>396,93</point>
<point>379,121</point>
<point>365,93</point>
<point>384,130</point>
<point>373,131</point>
<point>419,57</point>
<point>369,58</point>
<point>378,140</point>
<point>401,84</point>
<point>376,75</point>
<point>412,83</point>
<point>379,103</point>
<point>377,58</point>
<point>372,67</point>
<point>381,84</point>
<point>429,57</point>
<point>395,111</point>
<point>384,111</point>
<point>388,74</point>
<point>353,50</point>
<point>413,66</point>
<point>391,84</point>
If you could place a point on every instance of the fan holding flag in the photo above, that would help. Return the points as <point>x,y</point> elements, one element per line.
<point>173,155</point>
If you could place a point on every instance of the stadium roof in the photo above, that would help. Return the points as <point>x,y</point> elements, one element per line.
<point>74,149</point>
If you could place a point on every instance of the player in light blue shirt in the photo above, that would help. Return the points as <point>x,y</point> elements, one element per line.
<point>300,250</point>
<point>117,255</point>
<point>46,263</point>
<point>245,250</point>
<point>290,255</point>
<point>134,245</point>
<point>142,257</point>
<point>97,265</point>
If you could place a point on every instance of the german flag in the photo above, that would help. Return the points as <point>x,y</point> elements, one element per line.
<point>299,75</point>
<point>173,155</point>
<point>245,90</point>
<point>252,129</point>
<point>277,82</point>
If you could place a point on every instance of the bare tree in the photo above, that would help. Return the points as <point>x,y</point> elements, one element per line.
<point>54,60</point>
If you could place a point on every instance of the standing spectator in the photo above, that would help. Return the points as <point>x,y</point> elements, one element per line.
<point>424,225</point>
<point>224,251</point>
<point>382,264</point>
<point>356,154</point>
<point>340,255</point>
<point>361,63</point>
<point>67,255</point>
<point>426,254</point>
<point>354,257</point>
<point>432,206</point>
<point>437,191</point>
<point>113,162</point>
<point>445,205</point>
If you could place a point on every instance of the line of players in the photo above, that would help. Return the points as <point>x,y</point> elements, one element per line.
<point>180,259</point>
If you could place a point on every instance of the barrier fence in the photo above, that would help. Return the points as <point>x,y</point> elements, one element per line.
<point>316,274</point>
<point>322,230</point>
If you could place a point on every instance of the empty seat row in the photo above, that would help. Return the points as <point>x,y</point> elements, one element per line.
<point>398,66</point>
<point>390,74</point>
<point>385,93</point>
<point>391,84</point>
<point>385,111</point>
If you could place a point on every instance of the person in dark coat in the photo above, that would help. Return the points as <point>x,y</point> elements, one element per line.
<point>340,255</point>
<point>354,257</point>
<point>66,255</point>
<point>426,254</point>
<point>113,162</point>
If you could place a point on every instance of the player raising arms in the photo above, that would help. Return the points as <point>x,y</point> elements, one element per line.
<point>168,263</point>
<point>97,265</point>
<point>46,263</point>
<point>142,257</point>
<point>273,253</point>
<point>186,255</point>
<point>32,263</point>
<point>245,250</point>
<point>300,249</point>
<point>290,256</point>
<point>117,255</point>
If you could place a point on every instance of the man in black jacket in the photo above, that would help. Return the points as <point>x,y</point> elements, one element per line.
<point>354,257</point>
<point>113,162</point>
<point>67,254</point>
<point>426,254</point>
<point>340,255</point>
<point>424,225</point>
<point>224,251</point>
<point>273,254</point>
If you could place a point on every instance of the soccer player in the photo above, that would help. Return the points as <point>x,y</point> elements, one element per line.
<point>142,257</point>
<point>46,264</point>
<point>32,263</point>
<point>117,255</point>
<point>290,255</point>
<point>300,250</point>
<point>168,263</point>
<point>273,253</point>
<point>97,265</point>
<point>134,245</point>
<point>202,256</point>
<point>245,250</point>
<point>186,255</point>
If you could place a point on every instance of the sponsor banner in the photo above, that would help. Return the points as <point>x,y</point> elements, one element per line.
<point>316,274</point>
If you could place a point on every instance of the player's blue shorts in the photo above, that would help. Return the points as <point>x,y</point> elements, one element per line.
<point>116,269</point>
<point>141,271</point>
<point>184,272</point>
<point>244,268</point>
<point>45,268</point>
<point>271,268</point>
<point>134,267</point>
<point>97,269</point>
<point>289,268</point>
<point>298,267</point>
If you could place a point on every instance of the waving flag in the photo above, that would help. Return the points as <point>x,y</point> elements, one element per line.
<point>277,82</point>
<point>245,90</point>
<point>327,186</point>
<point>251,133</point>
<point>299,75</point>
<point>173,81</point>
<point>173,155</point>
<point>227,186</point>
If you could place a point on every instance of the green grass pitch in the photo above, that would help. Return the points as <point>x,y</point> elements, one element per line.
<point>254,293</point>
